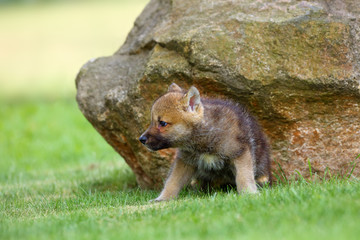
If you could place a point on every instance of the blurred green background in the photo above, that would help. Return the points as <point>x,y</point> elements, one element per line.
<point>43,44</point>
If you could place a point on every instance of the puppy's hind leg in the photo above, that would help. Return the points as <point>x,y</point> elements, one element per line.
<point>244,173</point>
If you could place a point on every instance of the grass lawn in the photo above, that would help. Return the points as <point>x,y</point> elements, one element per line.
<point>60,180</point>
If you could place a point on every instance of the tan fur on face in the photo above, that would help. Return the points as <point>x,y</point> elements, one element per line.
<point>167,108</point>
<point>171,109</point>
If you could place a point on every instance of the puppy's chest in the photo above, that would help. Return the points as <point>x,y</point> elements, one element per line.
<point>205,161</point>
<point>208,161</point>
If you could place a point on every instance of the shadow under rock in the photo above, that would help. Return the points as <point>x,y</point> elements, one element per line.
<point>114,181</point>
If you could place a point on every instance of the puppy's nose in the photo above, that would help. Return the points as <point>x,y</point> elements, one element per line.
<point>143,139</point>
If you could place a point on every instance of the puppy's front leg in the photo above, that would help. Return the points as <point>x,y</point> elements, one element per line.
<point>180,175</point>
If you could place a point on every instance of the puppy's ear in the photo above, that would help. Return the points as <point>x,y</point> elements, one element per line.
<point>174,88</point>
<point>191,100</point>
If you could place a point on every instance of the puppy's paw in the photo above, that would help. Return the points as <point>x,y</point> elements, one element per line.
<point>159,199</point>
<point>155,200</point>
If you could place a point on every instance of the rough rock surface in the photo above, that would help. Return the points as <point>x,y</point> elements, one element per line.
<point>295,64</point>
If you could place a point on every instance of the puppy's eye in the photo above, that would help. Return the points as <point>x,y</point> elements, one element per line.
<point>162,123</point>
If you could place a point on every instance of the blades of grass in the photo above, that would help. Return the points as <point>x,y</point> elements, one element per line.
<point>330,175</point>
<point>310,171</point>
<point>282,172</point>
<point>302,179</point>
<point>352,169</point>
<point>325,173</point>
<point>347,173</point>
<point>278,178</point>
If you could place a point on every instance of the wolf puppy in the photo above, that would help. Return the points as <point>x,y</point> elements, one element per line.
<point>217,141</point>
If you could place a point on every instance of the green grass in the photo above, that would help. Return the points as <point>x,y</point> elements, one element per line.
<point>37,135</point>
<point>60,180</point>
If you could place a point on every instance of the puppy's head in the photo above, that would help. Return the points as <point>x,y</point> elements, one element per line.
<point>173,117</point>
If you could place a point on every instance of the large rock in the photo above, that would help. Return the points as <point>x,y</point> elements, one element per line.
<point>295,64</point>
